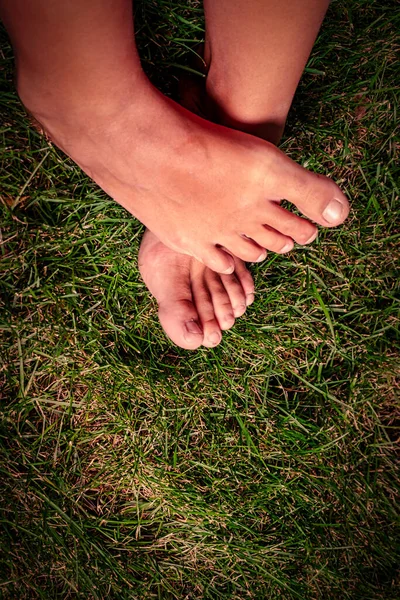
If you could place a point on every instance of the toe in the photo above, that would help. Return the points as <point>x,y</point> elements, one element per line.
<point>289,225</point>
<point>323,201</point>
<point>316,196</point>
<point>237,294</point>
<point>167,276</point>
<point>246,280</point>
<point>204,306</point>
<point>246,249</point>
<point>181,322</point>
<point>271,239</point>
<point>218,260</point>
<point>222,305</point>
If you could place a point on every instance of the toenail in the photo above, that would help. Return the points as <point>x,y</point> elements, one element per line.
<point>240,309</point>
<point>262,257</point>
<point>229,318</point>
<point>228,271</point>
<point>193,327</point>
<point>312,238</point>
<point>333,211</point>
<point>214,338</point>
<point>288,247</point>
<point>249,299</point>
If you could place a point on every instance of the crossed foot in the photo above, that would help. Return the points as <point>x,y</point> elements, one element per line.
<point>195,304</point>
<point>201,189</point>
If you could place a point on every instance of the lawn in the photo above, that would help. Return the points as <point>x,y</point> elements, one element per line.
<point>265,468</point>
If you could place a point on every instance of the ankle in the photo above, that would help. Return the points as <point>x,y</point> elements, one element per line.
<point>57,102</point>
<point>245,111</point>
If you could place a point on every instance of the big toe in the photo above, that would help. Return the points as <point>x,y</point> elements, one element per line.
<point>323,201</point>
<point>167,276</point>
<point>316,196</point>
<point>180,321</point>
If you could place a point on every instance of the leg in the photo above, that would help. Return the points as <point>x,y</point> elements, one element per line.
<point>198,186</point>
<point>256,58</point>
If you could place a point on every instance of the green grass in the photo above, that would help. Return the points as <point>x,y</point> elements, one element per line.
<point>265,468</point>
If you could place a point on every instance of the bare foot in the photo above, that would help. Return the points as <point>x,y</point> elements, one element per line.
<point>199,187</point>
<point>194,303</point>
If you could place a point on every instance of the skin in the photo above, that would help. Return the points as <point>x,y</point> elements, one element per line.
<point>195,304</point>
<point>200,187</point>
<point>179,283</point>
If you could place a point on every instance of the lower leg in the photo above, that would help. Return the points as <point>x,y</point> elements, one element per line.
<point>256,57</point>
<point>70,55</point>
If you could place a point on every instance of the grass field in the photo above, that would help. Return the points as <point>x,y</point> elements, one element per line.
<point>265,468</point>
